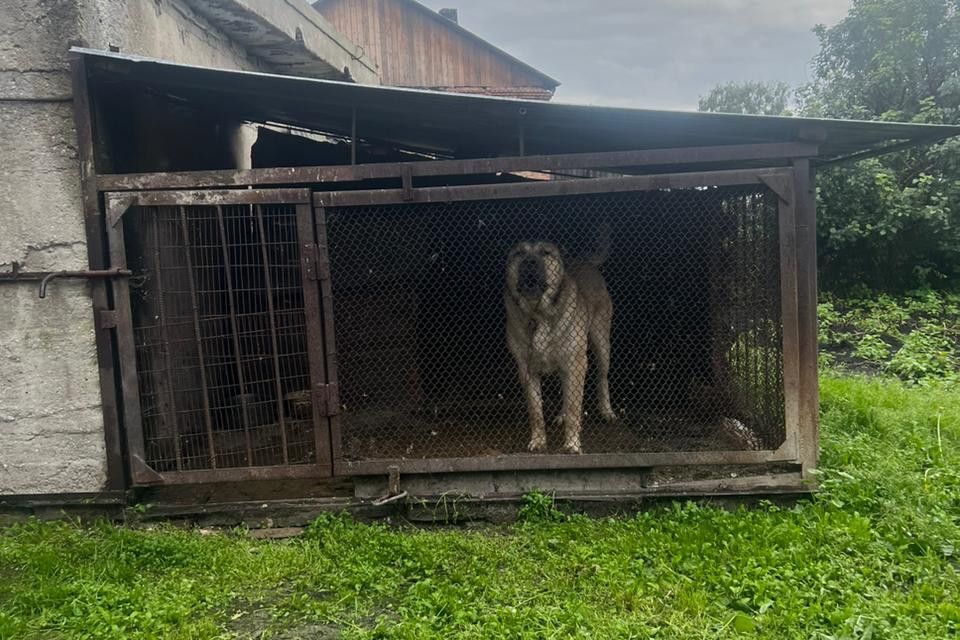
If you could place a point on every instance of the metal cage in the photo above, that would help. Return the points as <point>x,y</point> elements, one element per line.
<point>266,337</point>
<point>696,358</point>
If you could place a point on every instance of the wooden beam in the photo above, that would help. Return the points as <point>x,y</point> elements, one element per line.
<point>351,173</point>
<point>544,189</point>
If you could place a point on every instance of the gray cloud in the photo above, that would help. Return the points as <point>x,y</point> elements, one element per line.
<point>653,53</point>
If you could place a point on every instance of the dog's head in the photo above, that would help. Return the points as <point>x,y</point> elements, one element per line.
<point>534,271</point>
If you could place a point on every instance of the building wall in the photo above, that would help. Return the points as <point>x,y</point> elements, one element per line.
<point>51,424</point>
<point>414,48</point>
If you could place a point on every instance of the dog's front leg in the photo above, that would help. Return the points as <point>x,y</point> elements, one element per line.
<point>573,380</point>
<point>538,434</point>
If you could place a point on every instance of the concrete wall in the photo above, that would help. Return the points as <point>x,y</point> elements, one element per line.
<point>51,425</point>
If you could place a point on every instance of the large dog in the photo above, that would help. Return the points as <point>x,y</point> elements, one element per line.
<point>554,312</point>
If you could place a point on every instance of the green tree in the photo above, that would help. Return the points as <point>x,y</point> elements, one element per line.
<point>891,223</point>
<point>889,60</point>
<point>762,98</point>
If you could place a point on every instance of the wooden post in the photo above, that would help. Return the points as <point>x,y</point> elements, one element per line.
<point>804,188</point>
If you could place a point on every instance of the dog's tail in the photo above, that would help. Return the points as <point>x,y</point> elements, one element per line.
<point>602,250</point>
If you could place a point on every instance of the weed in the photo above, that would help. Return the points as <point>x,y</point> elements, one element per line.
<point>927,352</point>
<point>916,338</point>
<point>872,349</point>
<point>539,507</point>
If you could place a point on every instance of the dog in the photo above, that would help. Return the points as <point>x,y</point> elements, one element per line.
<point>555,311</point>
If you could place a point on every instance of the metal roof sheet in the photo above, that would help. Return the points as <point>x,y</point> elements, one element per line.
<point>461,125</point>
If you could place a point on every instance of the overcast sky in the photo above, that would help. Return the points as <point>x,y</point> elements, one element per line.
<point>652,53</point>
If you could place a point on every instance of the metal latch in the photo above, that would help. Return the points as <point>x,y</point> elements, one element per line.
<point>46,276</point>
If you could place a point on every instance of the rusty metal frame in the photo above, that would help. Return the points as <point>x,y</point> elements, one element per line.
<point>784,182</point>
<point>116,205</point>
<point>100,290</point>
<point>329,342</point>
<point>769,153</point>
<point>311,275</point>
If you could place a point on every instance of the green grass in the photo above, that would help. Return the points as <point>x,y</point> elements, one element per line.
<point>874,555</point>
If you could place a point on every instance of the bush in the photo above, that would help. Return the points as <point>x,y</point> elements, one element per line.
<point>916,337</point>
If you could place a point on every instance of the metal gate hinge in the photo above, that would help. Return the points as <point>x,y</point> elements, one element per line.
<point>327,398</point>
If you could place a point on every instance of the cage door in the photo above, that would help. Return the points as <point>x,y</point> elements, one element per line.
<point>219,335</point>
<point>696,366</point>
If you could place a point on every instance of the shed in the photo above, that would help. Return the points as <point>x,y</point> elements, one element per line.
<point>413,46</point>
<point>344,321</point>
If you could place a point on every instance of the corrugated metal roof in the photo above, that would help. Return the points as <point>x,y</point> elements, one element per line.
<point>464,126</point>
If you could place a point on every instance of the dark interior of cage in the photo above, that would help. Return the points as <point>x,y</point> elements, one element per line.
<point>219,325</point>
<point>696,357</point>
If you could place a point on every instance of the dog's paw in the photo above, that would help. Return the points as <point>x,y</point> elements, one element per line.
<point>609,415</point>
<point>572,447</point>
<point>537,444</point>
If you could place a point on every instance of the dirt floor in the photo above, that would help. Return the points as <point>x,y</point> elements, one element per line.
<point>391,435</point>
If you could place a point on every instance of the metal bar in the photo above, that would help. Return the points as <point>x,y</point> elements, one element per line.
<point>165,339</point>
<point>329,336</point>
<point>245,474</point>
<point>214,197</point>
<point>347,173</point>
<point>34,276</point>
<point>789,319</point>
<point>90,275</point>
<point>97,258</point>
<point>275,349</point>
<point>807,311</point>
<point>314,319</point>
<point>194,301</point>
<point>559,461</point>
<point>126,351</point>
<point>235,330</point>
<point>880,151</point>
<point>545,188</point>
<point>45,277</point>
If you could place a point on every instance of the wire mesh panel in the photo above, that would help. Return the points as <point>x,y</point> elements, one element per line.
<point>219,325</point>
<point>622,322</point>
